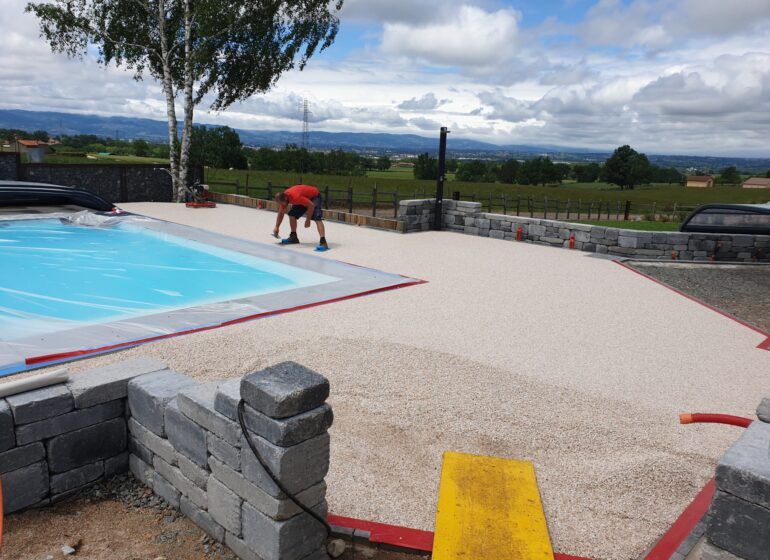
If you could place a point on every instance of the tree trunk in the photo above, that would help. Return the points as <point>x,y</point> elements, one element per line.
<point>189,104</point>
<point>168,90</point>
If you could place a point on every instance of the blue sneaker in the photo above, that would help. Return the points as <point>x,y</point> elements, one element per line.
<point>322,248</point>
<point>291,240</point>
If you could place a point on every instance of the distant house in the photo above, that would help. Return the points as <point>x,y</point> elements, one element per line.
<point>700,181</point>
<point>35,149</point>
<point>757,183</point>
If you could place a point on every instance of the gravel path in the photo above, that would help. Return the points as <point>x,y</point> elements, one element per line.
<point>511,349</point>
<point>741,290</point>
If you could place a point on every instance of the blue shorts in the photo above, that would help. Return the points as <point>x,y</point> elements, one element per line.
<point>298,211</point>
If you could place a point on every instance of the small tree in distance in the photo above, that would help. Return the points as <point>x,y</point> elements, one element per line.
<point>426,167</point>
<point>730,176</point>
<point>627,168</point>
<point>222,50</point>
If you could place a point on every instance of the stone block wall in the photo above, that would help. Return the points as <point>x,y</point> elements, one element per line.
<point>739,516</point>
<point>56,440</point>
<point>468,217</point>
<point>182,439</point>
<point>9,166</point>
<point>417,215</point>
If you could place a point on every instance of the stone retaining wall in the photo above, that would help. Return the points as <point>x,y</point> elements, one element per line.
<point>739,517</point>
<point>467,217</point>
<point>182,439</point>
<point>9,166</point>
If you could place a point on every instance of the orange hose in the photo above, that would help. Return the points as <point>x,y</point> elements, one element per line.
<point>730,420</point>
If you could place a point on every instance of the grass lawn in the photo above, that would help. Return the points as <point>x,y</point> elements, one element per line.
<point>641,225</point>
<point>97,159</point>
<point>665,196</point>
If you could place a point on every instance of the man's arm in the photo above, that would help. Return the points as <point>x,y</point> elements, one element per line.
<point>279,219</point>
<point>309,213</point>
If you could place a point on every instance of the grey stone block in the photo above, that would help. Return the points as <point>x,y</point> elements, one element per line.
<point>470,230</point>
<point>225,452</point>
<point>289,431</point>
<point>149,394</point>
<point>40,404</point>
<point>139,450</point>
<point>116,465</point>
<point>284,390</point>
<point>297,467</point>
<point>739,527</point>
<point>224,506</point>
<point>141,470</point>
<point>154,443</point>
<point>193,472</point>
<point>166,490</point>
<point>628,241</point>
<point>179,481</point>
<point>272,507</point>
<point>24,487</point>
<point>76,478</point>
<point>87,445</point>
<point>227,396</point>
<point>21,457</point>
<point>7,434</point>
<point>110,382</point>
<point>744,471</point>
<point>240,548</point>
<point>202,519</point>
<point>763,410</point>
<point>292,539</point>
<point>186,436</point>
<point>496,234</point>
<point>46,429</point>
<point>198,404</point>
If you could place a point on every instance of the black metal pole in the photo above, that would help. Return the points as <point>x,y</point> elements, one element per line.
<point>438,211</point>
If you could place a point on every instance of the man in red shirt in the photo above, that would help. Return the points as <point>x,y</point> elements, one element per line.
<point>304,200</point>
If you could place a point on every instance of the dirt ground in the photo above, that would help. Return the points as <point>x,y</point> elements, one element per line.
<point>122,520</point>
<point>740,290</point>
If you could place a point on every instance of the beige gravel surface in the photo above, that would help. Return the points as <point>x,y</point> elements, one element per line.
<point>511,349</point>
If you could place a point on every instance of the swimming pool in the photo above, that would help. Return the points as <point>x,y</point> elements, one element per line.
<point>68,291</point>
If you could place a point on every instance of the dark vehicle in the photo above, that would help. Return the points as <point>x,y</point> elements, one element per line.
<point>751,219</point>
<point>21,194</point>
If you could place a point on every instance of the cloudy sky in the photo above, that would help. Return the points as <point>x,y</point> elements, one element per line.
<point>666,76</point>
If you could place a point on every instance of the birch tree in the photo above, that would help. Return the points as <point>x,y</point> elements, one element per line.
<point>217,51</point>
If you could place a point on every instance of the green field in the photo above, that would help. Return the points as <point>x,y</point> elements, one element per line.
<point>663,195</point>
<point>97,159</point>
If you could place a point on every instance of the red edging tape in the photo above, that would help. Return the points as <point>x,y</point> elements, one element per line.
<point>38,360</point>
<point>404,537</point>
<point>683,526</point>
<point>762,346</point>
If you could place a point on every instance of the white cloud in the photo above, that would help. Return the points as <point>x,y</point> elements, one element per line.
<point>472,37</point>
<point>427,102</point>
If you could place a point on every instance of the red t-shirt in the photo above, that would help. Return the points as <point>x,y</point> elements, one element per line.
<point>301,194</point>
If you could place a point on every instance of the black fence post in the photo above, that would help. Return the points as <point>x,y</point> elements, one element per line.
<point>374,201</point>
<point>627,212</point>
<point>438,210</point>
<point>545,207</point>
<point>395,204</point>
<point>350,200</point>
<point>505,204</point>
<point>269,190</point>
<point>326,197</point>
<point>518,205</point>
<point>489,205</point>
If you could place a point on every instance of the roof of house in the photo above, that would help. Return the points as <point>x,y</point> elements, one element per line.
<point>764,181</point>
<point>32,143</point>
<point>700,178</point>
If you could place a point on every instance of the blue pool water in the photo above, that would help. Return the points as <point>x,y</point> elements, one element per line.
<point>55,276</point>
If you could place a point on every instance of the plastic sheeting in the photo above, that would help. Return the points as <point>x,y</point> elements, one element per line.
<point>84,283</point>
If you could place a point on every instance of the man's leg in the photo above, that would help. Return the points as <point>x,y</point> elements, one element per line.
<point>293,224</point>
<point>322,245</point>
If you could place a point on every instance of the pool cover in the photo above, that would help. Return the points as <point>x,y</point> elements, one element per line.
<point>72,288</point>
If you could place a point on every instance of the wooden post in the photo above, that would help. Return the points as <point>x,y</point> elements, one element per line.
<point>505,204</point>
<point>374,201</point>
<point>627,212</point>
<point>617,214</point>
<point>350,200</point>
<point>673,214</point>
<point>518,205</point>
<point>545,207</point>
<point>269,190</point>
<point>531,207</point>
<point>580,203</point>
<point>326,196</point>
<point>568,209</point>
<point>557,209</point>
<point>395,204</point>
<point>489,206</point>
<point>590,209</point>
<point>653,211</point>
<point>608,210</point>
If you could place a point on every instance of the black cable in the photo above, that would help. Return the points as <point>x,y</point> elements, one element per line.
<point>281,487</point>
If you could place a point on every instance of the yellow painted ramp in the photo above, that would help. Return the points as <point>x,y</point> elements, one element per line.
<point>489,509</point>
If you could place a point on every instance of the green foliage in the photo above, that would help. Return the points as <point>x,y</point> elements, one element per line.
<point>627,168</point>
<point>588,173</point>
<point>40,135</point>
<point>426,167</point>
<point>452,165</point>
<point>473,171</point>
<point>730,176</point>
<point>539,171</point>
<point>509,171</point>
<point>141,148</point>
<point>218,146</point>
<point>300,160</point>
<point>666,175</point>
<point>383,163</point>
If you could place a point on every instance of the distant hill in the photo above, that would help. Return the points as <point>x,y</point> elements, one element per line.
<point>374,143</point>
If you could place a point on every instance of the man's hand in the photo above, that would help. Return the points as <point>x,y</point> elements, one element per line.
<point>307,223</point>
<point>275,231</point>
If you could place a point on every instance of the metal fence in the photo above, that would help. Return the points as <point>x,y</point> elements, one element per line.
<point>384,203</point>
